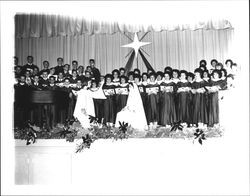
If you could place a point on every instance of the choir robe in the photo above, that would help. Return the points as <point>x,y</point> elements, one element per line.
<point>183,107</point>
<point>73,80</point>
<point>109,103</point>
<point>50,110</point>
<point>175,81</point>
<point>142,89</point>
<point>213,103</point>
<point>199,107</point>
<point>191,105</point>
<point>21,107</point>
<point>206,95</point>
<point>122,92</point>
<point>65,111</point>
<point>36,112</point>
<point>98,103</point>
<point>152,112</point>
<point>167,104</point>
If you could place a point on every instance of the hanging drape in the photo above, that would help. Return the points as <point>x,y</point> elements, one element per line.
<point>47,37</point>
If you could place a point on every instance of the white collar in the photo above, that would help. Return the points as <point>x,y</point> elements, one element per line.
<point>184,81</point>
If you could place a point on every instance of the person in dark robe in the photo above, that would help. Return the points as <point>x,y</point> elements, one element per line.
<point>122,91</point>
<point>190,79</point>
<point>122,71</point>
<point>28,78</point>
<point>142,85</point>
<point>152,90</point>
<point>95,71</point>
<point>29,66</point>
<point>137,71</point>
<point>109,102</point>
<point>74,66</point>
<point>21,108</point>
<point>183,106</point>
<point>60,78</point>
<point>200,117</point>
<point>80,71</point>
<point>159,77</point>
<point>167,105</point>
<point>45,67</point>
<point>130,76</point>
<point>116,75</point>
<point>44,81</point>
<point>98,102</point>
<point>213,101</point>
<point>74,77</point>
<point>59,67</point>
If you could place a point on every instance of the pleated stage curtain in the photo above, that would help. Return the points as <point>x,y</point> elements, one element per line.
<point>181,47</point>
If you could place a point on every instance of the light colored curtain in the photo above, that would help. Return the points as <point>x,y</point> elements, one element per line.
<point>48,37</point>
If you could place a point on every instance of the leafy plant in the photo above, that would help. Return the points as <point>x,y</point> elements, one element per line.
<point>86,143</point>
<point>176,126</point>
<point>200,135</point>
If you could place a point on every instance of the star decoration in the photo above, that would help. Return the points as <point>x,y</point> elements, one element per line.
<point>136,44</point>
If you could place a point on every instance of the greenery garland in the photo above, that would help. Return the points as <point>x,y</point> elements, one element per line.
<point>72,130</point>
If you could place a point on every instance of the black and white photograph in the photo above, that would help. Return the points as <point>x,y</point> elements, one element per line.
<point>125,97</point>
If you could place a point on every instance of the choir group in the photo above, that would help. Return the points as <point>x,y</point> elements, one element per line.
<point>168,96</point>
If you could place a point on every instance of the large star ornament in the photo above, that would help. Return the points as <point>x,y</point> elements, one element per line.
<point>136,44</point>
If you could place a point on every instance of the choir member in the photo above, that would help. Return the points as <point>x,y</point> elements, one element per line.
<point>66,73</point>
<point>98,102</point>
<point>18,71</point>
<point>213,63</point>
<point>168,69</point>
<point>152,90</point>
<point>29,66</point>
<point>122,71</point>
<point>116,75</point>
<point>60,78</point>
<point>109,102</point>
<point>190,79</point>
<point>35,71</point>
<point>28,77</point>
<point>213,115</point>
<point>45,67</point>
<point>183,107</point>
<point>59,67</point>
<point>74,77</point>
<point>66,112</point>
<point>159,76</point>
<point>199,108</point>
<point>44,81</point>
<point>223,79</point>
<point>74,66</point>
<point>50,109</point>
<point>137,71</point>
<point>52,84</point>
<point>203,63</point>
<point>219,66</point>
<point>130,76</point>
<point>167,104</point>
<point>175,79</point>
<point>122,91</point>
<point>228,64</point>
<point>21,81</point>
<point>95,71</point>
<point>176,75</point>
<point>142,85</point>
<point>36,83</point>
